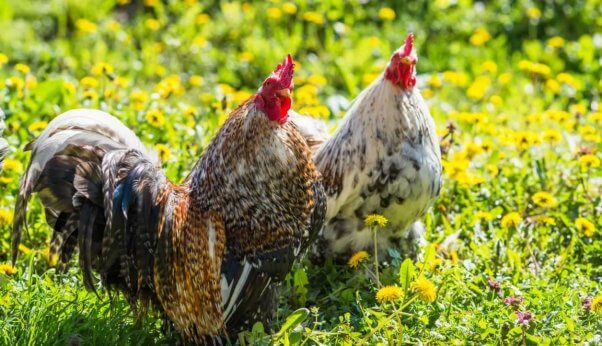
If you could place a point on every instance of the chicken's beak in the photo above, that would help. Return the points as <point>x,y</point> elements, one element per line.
<point>284,92</point>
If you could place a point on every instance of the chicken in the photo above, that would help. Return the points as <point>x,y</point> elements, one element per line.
<point>383,159</point>
<point>3,143</point>
<point>210,253</point>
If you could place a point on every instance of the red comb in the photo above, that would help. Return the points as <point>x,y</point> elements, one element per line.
<point>284,72</point>
<point>408,44</point>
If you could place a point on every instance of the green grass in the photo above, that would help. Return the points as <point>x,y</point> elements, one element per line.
<point>519,85</point>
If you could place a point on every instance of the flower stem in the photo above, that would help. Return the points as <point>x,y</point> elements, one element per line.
<point>376,257</point>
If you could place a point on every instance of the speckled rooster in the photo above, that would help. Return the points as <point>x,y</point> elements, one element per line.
<point>383,159</point>
<point>209,253</point>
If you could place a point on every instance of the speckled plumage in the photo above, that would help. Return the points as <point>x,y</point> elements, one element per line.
<point>383,159</point>
<point>210,253</point>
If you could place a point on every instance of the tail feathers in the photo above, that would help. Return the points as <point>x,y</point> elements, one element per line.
<point>68,141</point>
<point>134,216</point>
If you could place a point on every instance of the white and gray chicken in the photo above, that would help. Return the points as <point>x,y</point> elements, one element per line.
<point>383,159</point>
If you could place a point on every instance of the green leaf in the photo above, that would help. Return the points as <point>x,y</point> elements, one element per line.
<point>294,319</point>
<point>406,274</point>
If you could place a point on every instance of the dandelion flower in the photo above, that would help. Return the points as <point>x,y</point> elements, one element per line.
<point>6,217</point>
<point>389,293</point>
<point>544,199</point>
<point>289,8</point>
<point>386,13</point>
<point>585,226</point>
<point>85,26</point>
<point>556,42</point>
<point>552,136</point>
<point>22,68</point>
<point>11,165</point>
<point>7,269</point>
<point>313,17</point>
<point>482,216</point>
<point>3,59</point>
<point>102,68</point>
<point>511,219</point>
<point>357,258</point>
<point>589,161</point>
<point>89,82</point>
<point>195,80</point>
<point>375,220</point>
<point>37,126</point>
<point>163,151</point>
<point>425,289</point>
<point>155,118</point>
<point>479,37</point>
<point>24,249</point>
<point>596,304</point>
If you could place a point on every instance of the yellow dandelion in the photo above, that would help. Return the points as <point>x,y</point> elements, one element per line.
<point>6,217</point>
<point>289,8</point>
<point>512,219</point>
<point>552,136</point>
<point>163,151</point>
<point>357,258</point>
<point>317,79</point>
<point>37,126</point>
<point>24,249</point>
<point>489,66</point>
<point>482,216</point>
<point>544,199</point>
<point>102,68</point>
<point>90,94</point>
<point>479,37</point>
<point>313,17</point>
<point>202,18</point>
<point>7,269</point>
<point>195,80</point>
<point>274,13</point>
<point>386,13</point>
<point>545,220</point>
<point>155,118</point>
<point>3,59</point>
<point>585,226</point>
<point>478,88</point>
<point>556,42</point>
<point>85,26</point>
<point>389,293</point>
<point>533,13</point>
<point>552,86</point>
<point>89,82</point>
<point>589,161</point>
<point>22,68</point>
<point>152,24</point>
<point>596,305</point>
<point>11,165</point>
<point>425,289</point>
<point>375,220</point>
<point>504,78</point>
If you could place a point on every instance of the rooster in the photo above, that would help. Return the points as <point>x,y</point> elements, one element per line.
<point>209,254</point>
<point>383,159</point>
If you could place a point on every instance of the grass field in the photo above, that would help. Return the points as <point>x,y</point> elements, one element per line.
<point>514,252</point>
